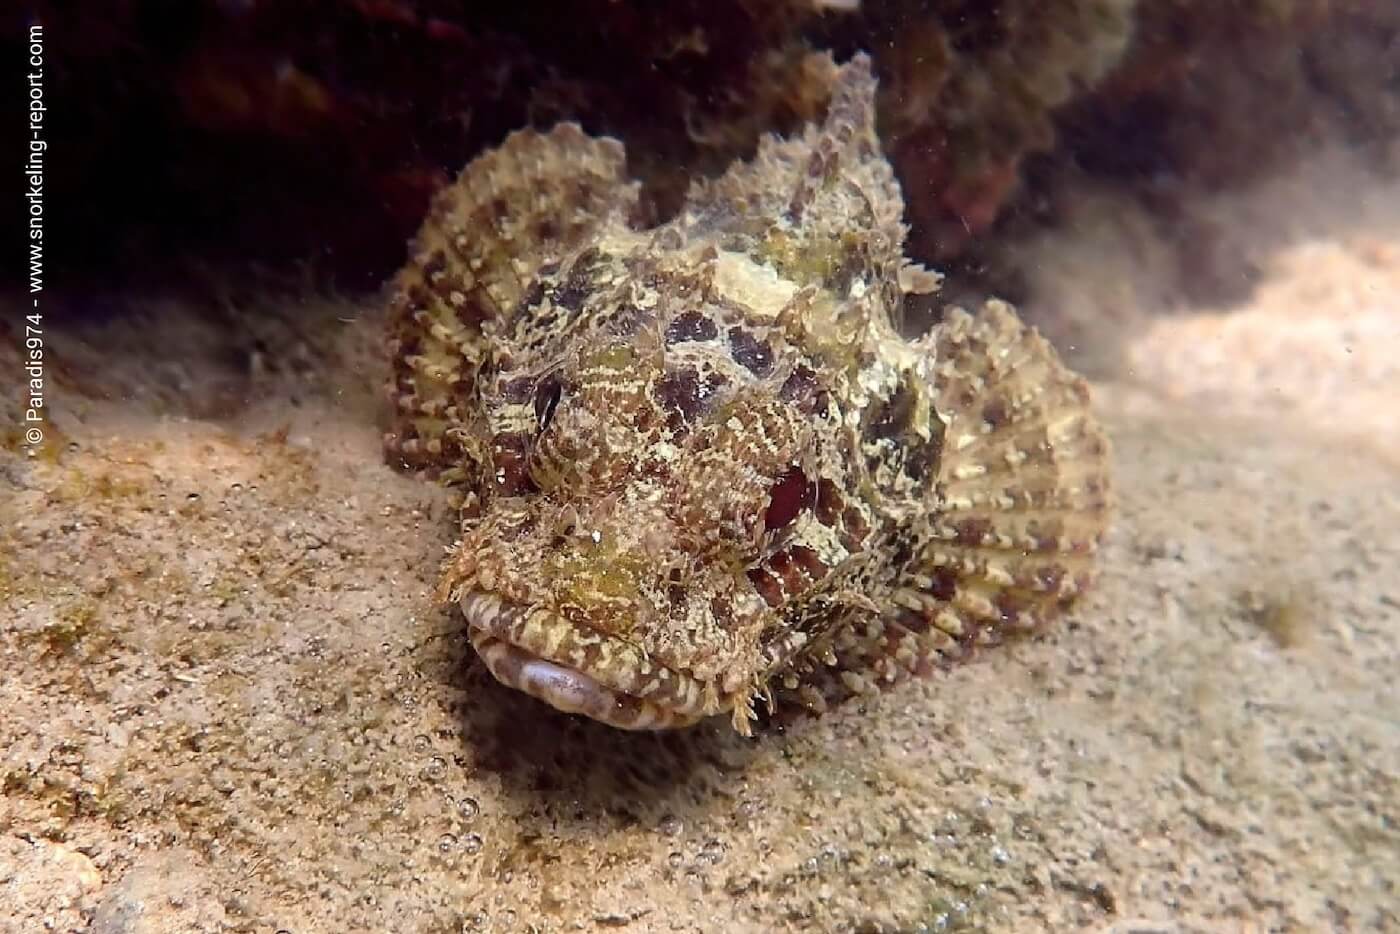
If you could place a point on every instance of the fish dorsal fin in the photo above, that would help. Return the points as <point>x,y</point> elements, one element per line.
<point>822,208</point>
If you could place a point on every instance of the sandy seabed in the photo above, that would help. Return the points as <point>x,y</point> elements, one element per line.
<point>229,703</point>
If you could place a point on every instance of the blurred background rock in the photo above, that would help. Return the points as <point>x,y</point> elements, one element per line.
<point>237,145</point>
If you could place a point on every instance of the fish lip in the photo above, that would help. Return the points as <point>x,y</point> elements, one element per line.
<point>522,648</point>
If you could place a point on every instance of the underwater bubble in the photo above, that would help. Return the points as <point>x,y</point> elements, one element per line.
<point>670,825</point>
<point>446,842</point>
<point>468,809</point>
<point>421,743</point>
<point>1000,856</point>
<point>675,859</point>
<point>436,769</point>
<point>472,844</point>
<point>712,853</point>
<point>810,866</point>
<point>476,921</point>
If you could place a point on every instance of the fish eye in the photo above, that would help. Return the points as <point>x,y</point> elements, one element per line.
<point>547,395</point>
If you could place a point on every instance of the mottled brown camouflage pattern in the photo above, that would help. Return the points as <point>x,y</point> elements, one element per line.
<point>700,460</point>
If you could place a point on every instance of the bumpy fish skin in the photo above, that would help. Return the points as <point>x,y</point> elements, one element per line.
<point>699,460</point>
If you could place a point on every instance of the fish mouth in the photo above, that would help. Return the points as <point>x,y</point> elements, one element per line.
<point>580,671</point>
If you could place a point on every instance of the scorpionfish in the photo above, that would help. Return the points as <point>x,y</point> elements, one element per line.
<point>699,463</point>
